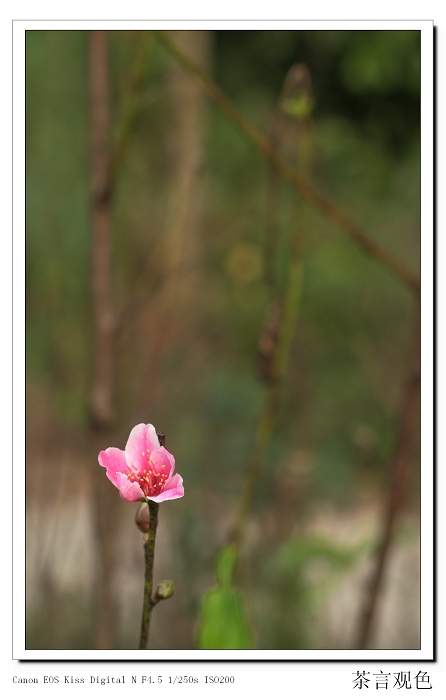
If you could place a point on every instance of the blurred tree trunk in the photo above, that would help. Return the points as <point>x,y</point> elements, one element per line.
<point>408,428</point>
<point>101,399</point>
<point>182,250</point>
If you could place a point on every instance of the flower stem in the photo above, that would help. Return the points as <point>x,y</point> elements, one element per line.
<point>149,551</point>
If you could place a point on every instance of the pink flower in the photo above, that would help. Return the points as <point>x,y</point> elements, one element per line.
<point>144,469</point>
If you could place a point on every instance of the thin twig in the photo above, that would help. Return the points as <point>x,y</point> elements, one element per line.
<point>278,133</point>
<point>307,191</point>
<point>399,474</point>
<point>149,553</point>
<point>149,600</point>
<point>275,367</point>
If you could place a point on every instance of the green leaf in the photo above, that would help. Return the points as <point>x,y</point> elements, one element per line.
<point>225,565</point>
<point>224,621</point>
<point>224,618</point>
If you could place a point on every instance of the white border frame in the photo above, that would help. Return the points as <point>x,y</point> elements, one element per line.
<point>426,651</point>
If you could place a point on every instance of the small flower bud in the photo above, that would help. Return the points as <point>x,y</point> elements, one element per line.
<point>165,589</point>
<point>142,517</point>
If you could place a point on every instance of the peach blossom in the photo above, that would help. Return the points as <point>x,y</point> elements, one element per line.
<point>144,470</point>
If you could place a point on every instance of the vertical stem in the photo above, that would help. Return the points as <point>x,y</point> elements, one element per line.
<point>399,474</point>
<point>149,555</point>
<point>297,79</point>
<point>101,394</point>
<point>149,552</point>
<point>297,82</point>
<point>271,403</point>
<point>102,379</point>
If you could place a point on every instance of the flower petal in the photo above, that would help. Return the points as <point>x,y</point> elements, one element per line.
<point>114,461</point>
<point>142,441</point>
<point>173,489</point>
<point>129,490</point>
<point>162,458</point>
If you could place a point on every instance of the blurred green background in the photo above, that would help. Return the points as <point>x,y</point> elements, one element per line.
<point>190,295</point>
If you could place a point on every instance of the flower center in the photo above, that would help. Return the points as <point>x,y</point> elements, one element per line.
<point>151,478</point>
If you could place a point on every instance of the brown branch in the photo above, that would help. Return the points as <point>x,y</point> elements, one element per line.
<point>287,172</point>
<point>149,555</point>
<point>399,474</point>
<point>102,377</point>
